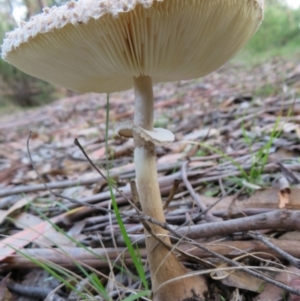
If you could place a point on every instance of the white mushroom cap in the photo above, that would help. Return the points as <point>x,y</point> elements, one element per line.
<point>100,45</point>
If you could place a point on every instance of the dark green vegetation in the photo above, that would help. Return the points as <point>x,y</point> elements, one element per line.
<point>278,35</point>
<point>22,89</point>
<point>18,89</point>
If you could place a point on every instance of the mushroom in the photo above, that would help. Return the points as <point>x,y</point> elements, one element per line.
<point>112,45</point>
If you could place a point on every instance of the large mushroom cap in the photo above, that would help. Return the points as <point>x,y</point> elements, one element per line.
<point>100,45</point>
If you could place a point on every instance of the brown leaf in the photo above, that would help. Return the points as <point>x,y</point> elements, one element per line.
<point>295,283</point>
<point>9,245</point>
<point>5,294</point>
<point>290,276</point>
<point>240,279</point>
<point>18,205</point>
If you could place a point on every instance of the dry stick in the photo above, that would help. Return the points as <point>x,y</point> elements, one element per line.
<point>165,181</point>
<point>199,216</point>
<point>222,186</point>
<point>70,183</point>
<point>225,164</point>
<point>170,247</point>
<point>135,196</point>
<point>32,291</point>
<point>65,184</point>
<point>236,264</point>
<point>234,124</point>
<point>77,143</point>
<point>171,219</point>
<point>284,185</point>
<point>229,154</point>
<point>61,196</point>
<point>168,252</point>
<point>294,261</point>
<point>57,194</point>
<point>267,168</point>
<point>289,174</point>
<point>277,219</point>
<point>172,193</point>
<point>41,187</point>
<point>208,216</point>
<point>228,261</point>
<point>180,237</point>
<point>66,257</point>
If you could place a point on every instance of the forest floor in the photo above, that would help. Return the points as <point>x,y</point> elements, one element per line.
<point>236,153</point>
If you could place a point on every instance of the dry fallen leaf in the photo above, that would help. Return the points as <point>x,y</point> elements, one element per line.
<point>5,294</point>
<point>240,279</point>
<point>18,205</point>
<point>290,235</point>
<point>49,238</point>
<point>290,276</point>
<point>295,283</point>
<point>11,244</point>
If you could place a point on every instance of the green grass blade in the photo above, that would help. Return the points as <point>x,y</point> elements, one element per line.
<point>137,296</point>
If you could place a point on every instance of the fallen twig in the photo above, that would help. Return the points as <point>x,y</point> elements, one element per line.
<point>294,261</point>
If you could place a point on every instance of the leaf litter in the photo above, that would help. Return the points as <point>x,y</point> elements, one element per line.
<point>235,164</point>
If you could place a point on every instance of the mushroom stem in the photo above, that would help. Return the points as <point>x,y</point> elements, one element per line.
<point>164,265</point>
<point>144,102</point>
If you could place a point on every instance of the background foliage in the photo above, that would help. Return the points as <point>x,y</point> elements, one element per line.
<point>280,28</point>
<point>279,34</point>
<point>16,86</point>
